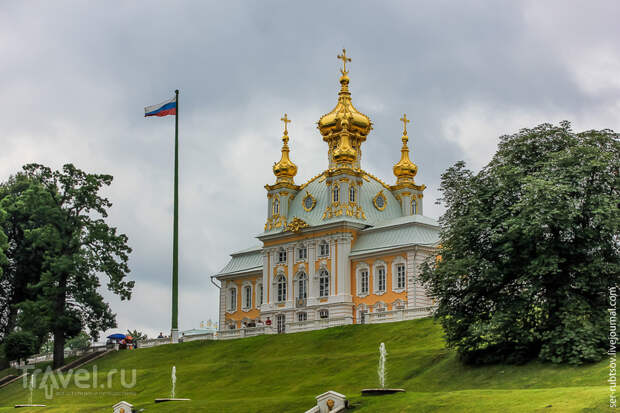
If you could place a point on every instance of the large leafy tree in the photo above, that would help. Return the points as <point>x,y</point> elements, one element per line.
<point>79,249</point>
<point>529,248</point>
<point>20,199</point>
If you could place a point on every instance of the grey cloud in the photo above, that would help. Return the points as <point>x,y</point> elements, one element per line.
<point>75,77</point>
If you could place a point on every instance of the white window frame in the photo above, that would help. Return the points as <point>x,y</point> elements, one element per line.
<point>360,269</point>
<point>375,275</point>
<point>302,276</point>
<point>281,256</point>
<point>259,294</point>
<point>352,194</point>
<point>276,205</point>
<point>302,314</point>
<point>320,252</point>
<point>321,312</point>
<point>302,253</point>
<point>414,205</point>
<point>336,193</point>
<point>280,288</point>
<point>324,279</point>
<point>395,264</point>
<point>245,305</point>
<point>231,301</point>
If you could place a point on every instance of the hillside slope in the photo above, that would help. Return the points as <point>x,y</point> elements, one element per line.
<point>283,374</point>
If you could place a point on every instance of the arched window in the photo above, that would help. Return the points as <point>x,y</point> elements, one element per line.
<point>281,288</point>
<point>381,279</point>
<point>335,193</point>
<point>351,193</point>
<point>276,206</point>
<point>323,283</point>
<point>302,286</point>
<point>232,299</point>
<point>247,297</point>
<point>414,206</point>
<point>364,281</point>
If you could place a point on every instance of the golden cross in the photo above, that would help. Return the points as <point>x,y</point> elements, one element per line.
<point>286,120</point>
<point>344,59</point>
<point>405,121</point>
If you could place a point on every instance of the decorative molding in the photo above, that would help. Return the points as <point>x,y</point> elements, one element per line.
<point>275,221</point>
<point>303,202</point>
<point>380,194</point>
<point>296,225</point>
<point>351,209</point>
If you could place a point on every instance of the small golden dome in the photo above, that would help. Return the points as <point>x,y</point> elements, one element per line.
<point>285,170</point>
<point>405,170</point>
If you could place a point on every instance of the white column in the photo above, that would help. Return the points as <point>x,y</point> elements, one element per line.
<point>265,299</point>
<point>272,261</point>
<point>290,261</point>
<point>332,267</point>
<point>311,260</point>
<point>344,268</point>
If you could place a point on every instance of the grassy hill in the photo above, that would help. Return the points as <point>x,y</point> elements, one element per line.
<point>284,373</point>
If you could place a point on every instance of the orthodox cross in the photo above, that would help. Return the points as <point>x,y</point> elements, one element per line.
<point>286,120</point>
<point>405,121</point>
<point>344,59</point>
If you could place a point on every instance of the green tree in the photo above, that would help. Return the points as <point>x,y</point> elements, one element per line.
<point>79,248</point>
<point>19,345</point>
<point>20,199</point>
<point>137,335</point>
<point>79,342</point>
<point>530,247</point>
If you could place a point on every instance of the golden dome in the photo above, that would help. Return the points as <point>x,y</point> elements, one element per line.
<point>344,128</point>
<point>405,170</point>
<point>345,115</point>
<point>285,170</point>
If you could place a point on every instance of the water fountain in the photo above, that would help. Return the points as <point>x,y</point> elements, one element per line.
<point>31,390</point>
<point>172,392</point>
<point>381,371</point>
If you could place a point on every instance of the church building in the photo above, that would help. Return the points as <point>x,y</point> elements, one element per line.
<point>343,248</point>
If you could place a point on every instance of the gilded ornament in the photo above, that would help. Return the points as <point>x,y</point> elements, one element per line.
<point>380,201</point>
<point>330,404</point>
<point>296,225</point>
<point>344,128</point>
<point>309,202</point>
<point>405,170</point>
<point>285,170</point>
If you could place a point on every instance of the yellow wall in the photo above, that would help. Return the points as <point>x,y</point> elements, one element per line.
<point>239,314</point>
<point>371,299</point>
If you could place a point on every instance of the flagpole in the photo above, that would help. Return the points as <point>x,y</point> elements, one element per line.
<point>174,333</point>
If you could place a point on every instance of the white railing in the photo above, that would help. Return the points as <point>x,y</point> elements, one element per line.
<point>39,358</point>
<point>196,337</point>
<point>153,342</point>
<point>318,324</point>
<point>245,332</point>
<point>398,315</point>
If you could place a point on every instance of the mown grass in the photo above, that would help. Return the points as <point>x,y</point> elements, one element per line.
<point>284,373</point>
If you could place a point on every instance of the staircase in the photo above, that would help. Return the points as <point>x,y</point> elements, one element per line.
<point>83,360</point>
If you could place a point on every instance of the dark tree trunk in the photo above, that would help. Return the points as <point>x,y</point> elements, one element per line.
<point>59,348</point>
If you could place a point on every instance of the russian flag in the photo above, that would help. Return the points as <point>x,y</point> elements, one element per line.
<point>168,107</point>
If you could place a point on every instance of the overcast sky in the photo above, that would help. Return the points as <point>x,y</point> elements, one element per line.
<point>75,77</point>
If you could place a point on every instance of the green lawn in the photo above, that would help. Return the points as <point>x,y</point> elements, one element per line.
<point>284,373</point>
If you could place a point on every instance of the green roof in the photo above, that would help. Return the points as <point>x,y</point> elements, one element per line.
<point>250,259</point>
<point>320,191</point>
<point>400,232</point>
